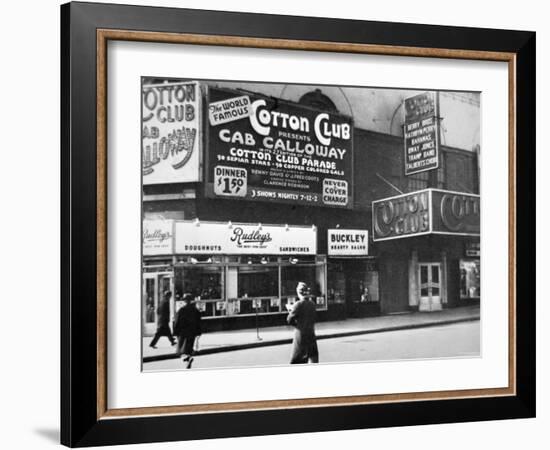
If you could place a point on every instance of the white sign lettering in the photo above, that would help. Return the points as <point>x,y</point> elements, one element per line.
<point>348,242</point>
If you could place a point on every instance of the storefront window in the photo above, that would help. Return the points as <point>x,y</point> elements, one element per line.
<point>336,284</point>
<point>258,289</point>
<point>258,281</point>
<point>353,281</point>
<point>241,285</point>
<point>204,281</point>
<point>370,288</point>
<point>469,279</point>
<point>312,274</point>
<point>291,275</point>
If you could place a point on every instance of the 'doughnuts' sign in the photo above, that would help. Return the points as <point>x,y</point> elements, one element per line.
<point>170,126</point>
<point>430,211</point>
<point>260,148</point>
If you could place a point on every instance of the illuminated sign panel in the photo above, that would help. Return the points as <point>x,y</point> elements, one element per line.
<point>421,133</point>
<point>429,211</point>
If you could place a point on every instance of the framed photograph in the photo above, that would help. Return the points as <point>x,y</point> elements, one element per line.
<point>278,224</point>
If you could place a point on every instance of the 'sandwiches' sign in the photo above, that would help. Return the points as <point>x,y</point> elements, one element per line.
<point>262,148</point>
<point>421,133</point>
<point>170,132</point>
<point>429,211</point>
<point>347,242</point>
<point>249,239</point>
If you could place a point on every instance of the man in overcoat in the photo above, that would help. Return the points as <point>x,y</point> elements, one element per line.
<point>187,327</point>
<point>163,319</point>
<point>302,317</point>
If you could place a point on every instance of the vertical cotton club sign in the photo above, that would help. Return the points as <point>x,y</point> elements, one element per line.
<point>170,127</point>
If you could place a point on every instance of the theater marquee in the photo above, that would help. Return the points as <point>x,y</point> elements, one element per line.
<point>429,211</point>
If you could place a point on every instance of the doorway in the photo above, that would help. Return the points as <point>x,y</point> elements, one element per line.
<point>154,284</point>
<point>430,287</point>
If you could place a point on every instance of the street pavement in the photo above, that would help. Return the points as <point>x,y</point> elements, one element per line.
<point>231,341</point>
<point>459,340</point>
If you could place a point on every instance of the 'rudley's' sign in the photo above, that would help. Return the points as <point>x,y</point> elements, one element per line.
<point>243,239</point>
<point>157,237</point>
<point>347,242</point>
<point>423,212</point>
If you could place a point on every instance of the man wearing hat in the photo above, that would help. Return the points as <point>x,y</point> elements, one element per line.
<point>187,327</point>
<point>163,318</point>
<point>302,317</point>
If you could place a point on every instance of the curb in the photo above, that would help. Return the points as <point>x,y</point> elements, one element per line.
<point>231,348</point>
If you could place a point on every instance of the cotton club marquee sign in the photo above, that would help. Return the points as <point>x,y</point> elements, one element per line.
<point>429,211</point>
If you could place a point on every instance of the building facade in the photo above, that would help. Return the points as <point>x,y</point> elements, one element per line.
<point>288,185</point>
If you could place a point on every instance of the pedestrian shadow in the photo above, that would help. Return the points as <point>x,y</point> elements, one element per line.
<point>50,434</point>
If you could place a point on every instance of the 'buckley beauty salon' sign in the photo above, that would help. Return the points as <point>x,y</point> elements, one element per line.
<point>348,242</point>
<point>244,239</point>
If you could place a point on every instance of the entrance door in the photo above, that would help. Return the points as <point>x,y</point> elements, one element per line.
<point>154,284</point>
<point>430,287</point>
<point>150,303</point>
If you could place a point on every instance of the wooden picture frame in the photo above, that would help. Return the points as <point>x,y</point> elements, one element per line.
<point>86,419</point>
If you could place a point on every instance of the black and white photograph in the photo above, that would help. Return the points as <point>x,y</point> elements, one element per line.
<point>287,223</point>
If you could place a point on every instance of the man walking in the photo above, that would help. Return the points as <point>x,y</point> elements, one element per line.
<point>187,327</point>
<point>302,317</point>
<point>163,318</point>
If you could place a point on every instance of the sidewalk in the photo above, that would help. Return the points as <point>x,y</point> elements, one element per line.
<point>224,341</point>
